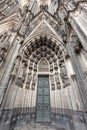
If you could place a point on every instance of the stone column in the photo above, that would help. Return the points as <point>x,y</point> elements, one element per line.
<point>6,53</point>
<point>9,114</point>
<point>78,20</point>
<point>81,82</point>
<point>5,78</point>
<point>81,86</point>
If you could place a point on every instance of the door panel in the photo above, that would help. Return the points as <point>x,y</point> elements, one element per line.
<point>43,100</point>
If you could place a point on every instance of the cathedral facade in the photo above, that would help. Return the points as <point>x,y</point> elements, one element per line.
<point>43,65</point>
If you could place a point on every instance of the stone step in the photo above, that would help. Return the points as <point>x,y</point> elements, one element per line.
<point>34,126</point>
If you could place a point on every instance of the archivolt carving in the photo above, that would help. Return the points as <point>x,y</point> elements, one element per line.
<point>45,48</point>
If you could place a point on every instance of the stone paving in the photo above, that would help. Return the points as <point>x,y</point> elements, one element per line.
<point>36,127</point>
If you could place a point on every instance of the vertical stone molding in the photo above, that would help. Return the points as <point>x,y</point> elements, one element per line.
<point>77,19</point>
<point>79,74</point>
<point>6,75</point>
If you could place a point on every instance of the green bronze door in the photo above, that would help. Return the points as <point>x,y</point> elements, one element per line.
<point>43,100</point>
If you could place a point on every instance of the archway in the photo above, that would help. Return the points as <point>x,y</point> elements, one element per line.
<point>42,51</point>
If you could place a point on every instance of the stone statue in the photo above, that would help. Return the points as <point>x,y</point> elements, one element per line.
<point>16,65</point>
<point>2,56</point>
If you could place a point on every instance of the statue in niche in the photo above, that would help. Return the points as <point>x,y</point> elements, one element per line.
<point>4,48</point>
<point>23,71</point>
<point>21,19</point>
<point>25,16</point>
<point>64,77</point>
<point>27,85</point>
<point>77,46</point>
<point>63,73</point>
<point>29,78</point>
<point>20,14</point>
<point>75,42</point>
<point>57,81</point>
<point>57,77</point>
<point>2,57</point>
<point>3,53</point>
<point>33,87</point>
<point>2,16</point>
<point>53,87</point>
<point>4,37</point>
<point>16,65</point>
<point>52,83</point>
<point>34,82</point>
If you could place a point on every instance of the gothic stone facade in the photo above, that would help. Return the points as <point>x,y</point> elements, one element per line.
<point>43,64</point>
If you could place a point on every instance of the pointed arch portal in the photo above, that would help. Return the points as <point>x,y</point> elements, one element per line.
<point>46,67</point>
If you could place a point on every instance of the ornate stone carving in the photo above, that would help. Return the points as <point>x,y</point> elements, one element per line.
<point>29,78</point>
<point>22,73</point>
<point>58,85</point>
<point>2,56</point>
<point>4,48</point>
<point>16,65</point>
<point>63,73</point>
<point>2,16</point>
<point>75,43</point>
<point>66,54</point>
<point>64,77</point>
<point>33,82</point>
